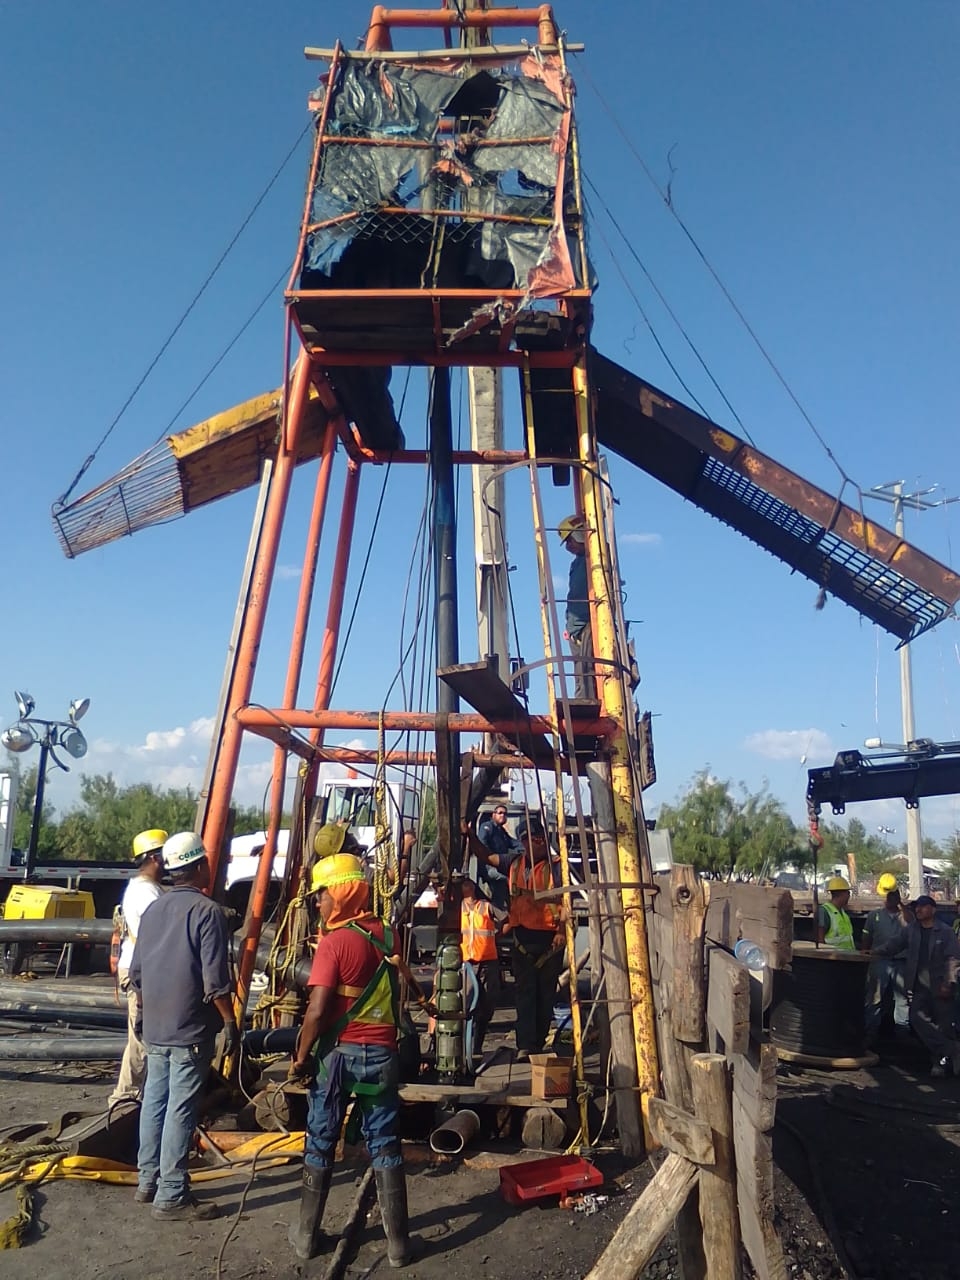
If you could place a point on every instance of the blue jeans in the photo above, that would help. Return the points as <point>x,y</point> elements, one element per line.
<point>882,975</point>
<point>176,1076</point>
<point>343,1067</point>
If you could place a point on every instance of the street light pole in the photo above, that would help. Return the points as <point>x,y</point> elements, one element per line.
<point>26,733</point>
<point>919,501</point>
<point>32,848</point>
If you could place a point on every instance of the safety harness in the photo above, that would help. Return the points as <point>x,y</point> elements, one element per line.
<point>377,1004</point>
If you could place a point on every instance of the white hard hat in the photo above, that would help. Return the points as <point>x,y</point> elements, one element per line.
<point>182,850</point>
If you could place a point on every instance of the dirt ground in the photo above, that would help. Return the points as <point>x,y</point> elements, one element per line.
<point>868,1166</point>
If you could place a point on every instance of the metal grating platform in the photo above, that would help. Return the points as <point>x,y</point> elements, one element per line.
<point>876,572</point>
<point>871,587</point>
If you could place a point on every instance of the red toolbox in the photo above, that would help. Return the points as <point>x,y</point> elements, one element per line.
<point>554,1176</point>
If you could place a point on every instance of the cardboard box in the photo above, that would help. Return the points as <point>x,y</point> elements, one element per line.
<point>549,1075</point>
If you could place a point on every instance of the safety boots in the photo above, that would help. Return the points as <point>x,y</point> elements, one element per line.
<point>306,1237</point>
<point>402,1248</point>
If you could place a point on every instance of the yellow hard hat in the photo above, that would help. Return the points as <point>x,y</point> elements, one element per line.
<point>338,868</point>
<point>329,839</point>
<point>569,525</point>
<point>151,841</point>
<point>836,884</point>
<point>887,883</point>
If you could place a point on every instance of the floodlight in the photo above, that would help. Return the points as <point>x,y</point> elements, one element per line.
<point>19,737</point>
<point>25,703</point>
<point>872,744</point>
<point>73,742</point>
<point>78,709</point>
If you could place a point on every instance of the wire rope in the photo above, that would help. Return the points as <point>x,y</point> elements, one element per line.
<point>670,311</point>
<point>91,458</point>
<point>665,196</point>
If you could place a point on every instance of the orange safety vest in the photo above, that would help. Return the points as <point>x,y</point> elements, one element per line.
<point>525,910</point>
<point>479,932</point>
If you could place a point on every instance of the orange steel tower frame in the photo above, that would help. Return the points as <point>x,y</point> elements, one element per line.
<point>425,241</point>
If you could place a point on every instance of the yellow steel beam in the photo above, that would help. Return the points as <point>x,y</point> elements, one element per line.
<point>627,805</point>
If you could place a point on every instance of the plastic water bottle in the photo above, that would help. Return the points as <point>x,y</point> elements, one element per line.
<point>750,954</point>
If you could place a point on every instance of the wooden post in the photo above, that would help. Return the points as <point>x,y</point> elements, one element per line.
<point>623,1071</point>
<point>718,1182</point>
<point>640,1233</point>
<point>689,989</point>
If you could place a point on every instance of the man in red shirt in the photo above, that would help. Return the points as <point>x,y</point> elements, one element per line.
<point>348,1048</point>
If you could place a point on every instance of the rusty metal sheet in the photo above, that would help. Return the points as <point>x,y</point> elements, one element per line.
<point>873,570</point>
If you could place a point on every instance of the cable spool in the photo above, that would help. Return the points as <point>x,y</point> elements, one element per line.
<point>817,1009</point>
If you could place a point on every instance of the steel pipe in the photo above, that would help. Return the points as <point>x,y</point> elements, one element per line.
<point>109,1019</point>
<point>61,931</point>
<point>62,1048</point>
<point>38,993</point>
<point>452,1136</point>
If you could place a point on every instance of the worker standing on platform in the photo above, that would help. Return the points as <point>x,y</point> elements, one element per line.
<point>834,926</point>
<point>496,839</point>
<point>932,970</point>
<point>579,634</point>
<point>478,929</point>
<point>180,969</point>
<point>537,928</point>
<point>142,889</point>
<point>348,1048</point>
<point>886,973</point>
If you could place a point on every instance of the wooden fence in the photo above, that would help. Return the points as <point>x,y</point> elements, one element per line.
<point>719,1082</point>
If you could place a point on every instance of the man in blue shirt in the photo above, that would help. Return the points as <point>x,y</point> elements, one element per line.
<point>579,634</point>
<point>493,835</point>
<point>179,968</point>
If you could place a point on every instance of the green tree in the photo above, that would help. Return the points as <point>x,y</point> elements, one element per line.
<point>719,830</point>
<point>48,842</point>
<point>102,826</point>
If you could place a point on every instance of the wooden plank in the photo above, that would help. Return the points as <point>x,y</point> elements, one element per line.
<point>728,1000</point>
<point>765,916</point>
<point>755,1197</point>
<point>450,1095</point>
<point>755,1084</point>
<point>718,1192</point>
<point>681,1132</point>
<point>689,987</point>
<point>641,1232</point>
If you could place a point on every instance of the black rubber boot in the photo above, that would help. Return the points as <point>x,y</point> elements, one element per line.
<point>307,1237</point>
<point>402,1248</point>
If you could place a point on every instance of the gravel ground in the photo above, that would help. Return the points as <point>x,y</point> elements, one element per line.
<point>868,1166</point>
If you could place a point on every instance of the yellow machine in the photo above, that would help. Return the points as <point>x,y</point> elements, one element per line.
<point>48,902</point>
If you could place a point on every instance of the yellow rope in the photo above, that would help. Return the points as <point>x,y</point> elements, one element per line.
<point>386,869</point>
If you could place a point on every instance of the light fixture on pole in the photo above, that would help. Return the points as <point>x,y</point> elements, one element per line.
<point>50,734</point>
<point>892,492</point>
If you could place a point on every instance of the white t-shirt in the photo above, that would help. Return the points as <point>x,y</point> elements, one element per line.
<point>137,896</point>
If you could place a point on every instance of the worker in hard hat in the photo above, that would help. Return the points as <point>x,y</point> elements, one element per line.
<point>579,635</point>
<point>834,926</point>
<point>536,926</point>
<point>480,923</point>
<point>142,889</point>
<point>180,969</point>
<point>931,974</point>
<point>348,1048</point>
<point>886,973</point>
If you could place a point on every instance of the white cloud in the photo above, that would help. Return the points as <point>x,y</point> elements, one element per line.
<point>287,571</point>
<point>792,744</point>
<point>640,539</point>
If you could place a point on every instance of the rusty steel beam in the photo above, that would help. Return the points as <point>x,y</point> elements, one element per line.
<point>875,571</point>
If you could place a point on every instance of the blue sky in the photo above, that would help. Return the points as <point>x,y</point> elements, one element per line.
<point>814,154</point>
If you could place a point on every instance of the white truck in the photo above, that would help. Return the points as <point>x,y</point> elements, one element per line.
<point>347,800</point>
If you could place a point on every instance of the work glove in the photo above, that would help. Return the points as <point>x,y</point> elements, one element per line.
<point>300,1072</point>
<point>231,1038</point>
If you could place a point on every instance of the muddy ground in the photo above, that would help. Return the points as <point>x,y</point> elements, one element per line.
<point>869,1166</point>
